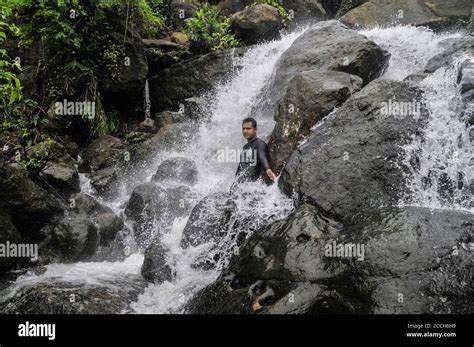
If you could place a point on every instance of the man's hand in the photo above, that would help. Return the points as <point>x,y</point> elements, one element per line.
<point>271,175</point>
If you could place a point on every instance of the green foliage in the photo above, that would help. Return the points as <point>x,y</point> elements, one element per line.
<point>111,55</point>
<point>23,119</point>
<point>51,21</point>
<point>160,8</point>
<point>153,14</point>
<point>209,30</point>
<point>75,51</point>
<point>20,128</point>
<point>15,122</point>
<point>78,48</point>
<point>154,52</point>
<point>10,91</point>
<point>33,165</point>
<point>35,162</point>
<point>277,4</point>
<point>102,122</point>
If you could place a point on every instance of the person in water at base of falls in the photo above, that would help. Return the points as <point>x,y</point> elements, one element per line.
<point>254,157</point>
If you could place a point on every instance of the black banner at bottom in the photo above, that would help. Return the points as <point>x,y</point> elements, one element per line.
<point>44,330</point>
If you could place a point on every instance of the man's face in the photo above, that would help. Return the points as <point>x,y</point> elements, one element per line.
<point>248,131</point>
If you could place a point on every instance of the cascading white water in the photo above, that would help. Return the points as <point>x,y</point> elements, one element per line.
<point>107,274</point>
<point>444,152</point>
<point>225,107</point>
<point>410,48</point>
<point>146,101</point>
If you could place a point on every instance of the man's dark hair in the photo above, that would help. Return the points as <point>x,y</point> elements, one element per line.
<point>250,120</point>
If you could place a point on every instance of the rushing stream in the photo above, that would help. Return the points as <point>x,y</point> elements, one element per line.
<point>444,152</point>
<point>444,157</point>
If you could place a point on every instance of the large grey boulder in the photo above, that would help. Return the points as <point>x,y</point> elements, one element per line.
<point>155,268</point>
<point>257,23</point>
<point>453,49</point>
<point>353,162</point>
<point>74,298</point>
<point>433,13</point>
<point>104,159</point>
<point>177,169</point>
<point>75,239</point>
<point>182,11</point>
<point>305,11</point>
<point>209,220</point>
<point>409,260</point>
<point>59,171</point>
<point>310,96</point>
<point>153,208</point>
<point>147,203</point>
<point>124,89</point>
<point>302,11</point>
<point>87,225</point>
<point>108,225</point>
<point>325,46</point>
<point>170,87</point>
<point>63,177</point>
<point>29,205</point>
<point>418,260</point>
<point>273,261</point>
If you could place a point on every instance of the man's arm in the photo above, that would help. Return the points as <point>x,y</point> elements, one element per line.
<point>262,159</point>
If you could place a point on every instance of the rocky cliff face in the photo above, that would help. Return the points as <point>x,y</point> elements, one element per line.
<point>349,247</point>
<point>346,244</point>
<point>400,261</point>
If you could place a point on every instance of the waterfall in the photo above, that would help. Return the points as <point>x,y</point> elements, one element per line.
<point>226,106</point>
<point>410,48</point>
<point>444,151</point>
<point>147,102</point>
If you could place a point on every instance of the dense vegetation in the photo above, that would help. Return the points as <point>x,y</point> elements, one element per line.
<point>69,49</point>
<point>75,49</point>
<point>209,30</point>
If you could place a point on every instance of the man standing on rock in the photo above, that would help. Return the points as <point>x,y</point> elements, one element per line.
<point>254,157</point>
